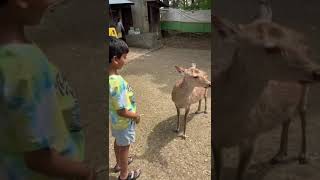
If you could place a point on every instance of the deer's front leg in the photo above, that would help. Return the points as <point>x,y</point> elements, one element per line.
<point>246,151</point>
<point>199,108</point>
<point>184,136</point>
<point>205,102</point>
<point>205,105</point>
<point>303,114</point>
<point>178,120</point>
<point>283,151</point>
<point>302,155</point>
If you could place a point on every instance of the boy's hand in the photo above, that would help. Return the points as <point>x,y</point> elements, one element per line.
<point>53,164</point>
<point>137,119</point>
<point>130,115</point>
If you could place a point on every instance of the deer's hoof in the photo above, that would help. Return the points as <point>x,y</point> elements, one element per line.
<point>176,130</point>
<point>183,136</point>
<point>274,161</point>
<point>277,159</point>
<point>303,159</point>
<point>205,112</point>
<point>197,112</point>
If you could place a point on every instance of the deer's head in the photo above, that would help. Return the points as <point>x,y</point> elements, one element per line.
<point>268,49</point>
<point>194,76</point>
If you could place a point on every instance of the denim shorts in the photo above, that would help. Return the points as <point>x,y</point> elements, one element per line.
<point>125,137</point>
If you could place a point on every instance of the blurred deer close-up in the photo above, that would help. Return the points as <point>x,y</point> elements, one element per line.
<point>264,86</point>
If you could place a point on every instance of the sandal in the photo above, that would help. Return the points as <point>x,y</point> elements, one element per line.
<point>117,167</point>
<point>133,175</point>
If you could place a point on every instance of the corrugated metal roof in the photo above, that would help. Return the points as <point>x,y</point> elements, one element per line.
<point>111,2</point>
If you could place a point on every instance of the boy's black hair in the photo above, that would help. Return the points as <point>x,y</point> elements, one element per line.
<point>117,47</point>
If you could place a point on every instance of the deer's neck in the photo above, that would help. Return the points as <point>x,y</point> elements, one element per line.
<point>183,94</point>
<point>186,87</point>
<point>237,89</point>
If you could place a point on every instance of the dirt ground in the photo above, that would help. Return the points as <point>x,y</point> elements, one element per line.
<point>158,151</point>
<point>303,17</point>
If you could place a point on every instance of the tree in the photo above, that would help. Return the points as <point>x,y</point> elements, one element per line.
<point>175,3</point>
<point>166,1</point>
<point>191,4</point>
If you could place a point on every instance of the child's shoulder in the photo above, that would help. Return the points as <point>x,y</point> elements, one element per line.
<point>116,78</point>
<point>23,60</point>
<point>24,53</point>
<point>116,81</point>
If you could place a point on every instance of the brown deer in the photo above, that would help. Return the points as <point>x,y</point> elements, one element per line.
<point>265,85</point>
<point>189,90</point>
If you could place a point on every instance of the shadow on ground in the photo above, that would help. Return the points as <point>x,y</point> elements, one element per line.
<point>156,141</point>
<point>258,171</point>
<point>113,178</point>
<point>255,172</point>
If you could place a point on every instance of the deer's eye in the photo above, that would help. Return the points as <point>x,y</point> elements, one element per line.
<point>196,77</point>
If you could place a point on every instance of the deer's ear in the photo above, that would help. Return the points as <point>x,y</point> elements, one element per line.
<point>225,29</point>
<point>179,69</point>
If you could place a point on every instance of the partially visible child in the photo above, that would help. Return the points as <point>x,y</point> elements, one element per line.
<point>120,29</point>
<point>40,133</point>
<point>122,109</point>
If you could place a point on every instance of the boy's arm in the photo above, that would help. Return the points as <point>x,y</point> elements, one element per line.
<point>129,114</point>
<point>119,100</point>
<point>51,163</point>
<point>33,140</point>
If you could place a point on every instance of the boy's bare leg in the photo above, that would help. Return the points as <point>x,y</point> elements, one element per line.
<point>116,152</point>
<point>123,157</point>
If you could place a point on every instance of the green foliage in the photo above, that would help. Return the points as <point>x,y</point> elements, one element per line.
<point>188,5</point>
<point>205,4</point>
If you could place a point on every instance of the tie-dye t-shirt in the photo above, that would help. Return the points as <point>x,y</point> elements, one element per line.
<point>38,110</point>
<point>121,96</point>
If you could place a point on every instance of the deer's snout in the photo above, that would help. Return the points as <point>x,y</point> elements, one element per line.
<point>209,85</point>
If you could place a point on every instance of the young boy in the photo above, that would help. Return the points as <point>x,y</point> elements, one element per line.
<point>40,133</point>
<point>122,109</point>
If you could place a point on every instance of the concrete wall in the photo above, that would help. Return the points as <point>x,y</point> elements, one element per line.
<point>144,40</point>
<point>140,15</point>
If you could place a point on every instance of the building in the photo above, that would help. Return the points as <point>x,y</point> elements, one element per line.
<point>122,9</point>
<point>146,15</point>
<point>142,17</point>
